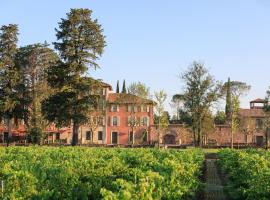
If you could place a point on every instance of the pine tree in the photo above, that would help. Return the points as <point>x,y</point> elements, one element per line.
<point>12,90</point>
<point>80,44</point>
<point>124,89</point>
<point>34,60</point>
<point>117,87</point>
<point>228,108</point>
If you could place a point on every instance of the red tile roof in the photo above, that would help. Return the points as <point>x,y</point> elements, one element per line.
<point>127,99</point>
<point>251,113</point>
<point>258,101</point>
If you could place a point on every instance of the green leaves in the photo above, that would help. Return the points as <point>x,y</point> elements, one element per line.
<point>99,173</point>
<point>248,172</point>
<point>80,43</point>
<point>201,91</point>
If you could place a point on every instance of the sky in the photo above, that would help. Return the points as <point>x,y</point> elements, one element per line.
<point>154,41</point>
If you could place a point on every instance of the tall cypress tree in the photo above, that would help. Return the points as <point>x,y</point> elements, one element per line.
<point>124,89</point>
<point>117,87</point>
<point>11,87</point>
<point>228,108</point>
<point>80,44</point>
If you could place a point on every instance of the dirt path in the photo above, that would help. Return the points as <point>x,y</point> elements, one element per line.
<point>214,188</point>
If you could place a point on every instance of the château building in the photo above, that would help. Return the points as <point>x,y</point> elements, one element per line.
<point>119,119</point>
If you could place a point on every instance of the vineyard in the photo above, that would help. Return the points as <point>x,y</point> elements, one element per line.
<point>99,173</point>
<point>248,173</point>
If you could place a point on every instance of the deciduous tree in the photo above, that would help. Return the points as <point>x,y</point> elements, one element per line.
<point>234,120</point>
<point>139,89</point>
<point>266,121</point>
<point>160,98</point>
<point>201,91</point>
<point>220,118</point>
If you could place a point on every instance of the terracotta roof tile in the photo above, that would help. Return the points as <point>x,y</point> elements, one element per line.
<point>258,101</point>
<point>251,113</point>
<point>127,99</point>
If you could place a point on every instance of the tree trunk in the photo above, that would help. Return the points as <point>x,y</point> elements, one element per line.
<point>9,123</point>
<point>231,138</point>
<point>159,130</point>
<point>34,96</point>
<point>132,129</point>
<point>266,139</point>
<point>75,134</point>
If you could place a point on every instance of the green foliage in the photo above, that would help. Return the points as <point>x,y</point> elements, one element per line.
<point>34,61</point>
<point>184,117</point>
<point>98,173</point>
<point>233,88</point>
<point>248,173</point>
<point>228,108</point>
<point>139,89</point>
<point>176,102</point>
<point>201,91</point>
<point>80,44</point>
<point>35,135</point>
<point>234,115</point>
<point>124,89</point>
<point>13,101</point>
<point>117,87</point>
<point>220,118</point>
<point>161,119</point>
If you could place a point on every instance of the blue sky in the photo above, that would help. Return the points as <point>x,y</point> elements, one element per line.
<point>154,41</point>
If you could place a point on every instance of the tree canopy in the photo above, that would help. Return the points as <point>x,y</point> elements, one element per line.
<point>80,43</point>
<point>200,92</point>
<point>139,89</point>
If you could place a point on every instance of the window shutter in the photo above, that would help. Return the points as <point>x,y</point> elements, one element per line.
<point>147,121</point>
<point>128,121</point>
<point>111,121</point>
<point>118,121</point>
<point>135,109</point>
<point>111,107</point>
<point>141,121</point>
<point>103,121</point>
<point>148,109</point>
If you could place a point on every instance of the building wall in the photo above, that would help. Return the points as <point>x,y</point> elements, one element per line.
<point>123,129</point>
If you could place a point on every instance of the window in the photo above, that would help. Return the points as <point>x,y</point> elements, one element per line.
<point>104,91</point>
<point>131,137</point>
<point>259,123</point>
<point>101,121</point>
<point>114,138</point>
<point>145,136</point>
<point>144,108</point>
<point>114,108</point>
<point>132,108</point>
<point>100,135</point>
<point>57,136</point>
<point>89,135</point>
<point>115,121</point>
<point>132,121</point>
<point>145,121</point>
<point>129,108</point>
<point>101,104</point>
